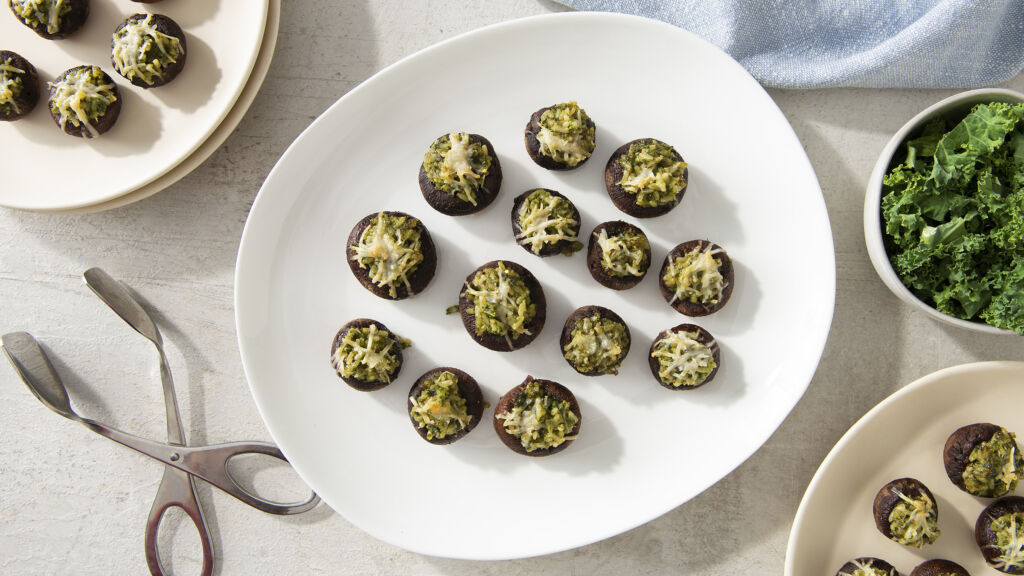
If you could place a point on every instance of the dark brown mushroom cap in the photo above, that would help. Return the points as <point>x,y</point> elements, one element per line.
<point>939,567</point>
<point>585,312</point>
<point>956,454</point>
<point>29,96</point>
<point>624,200</point>
<point>446,203</point>
<point>468,389</point>
<point>533,145</point>
<point>983,534</point>
<point>594,253</point>
<point>550,388</point>
<point>548,249</point>
<point>497,342</point>
<point>725,268</point>
<point>104,122</point>
<point>420,277</point>
<point>69,23</point>
<point>703,336</point>
<point>351,380</point>
<point>850,567</point>
<point>886,500</point>
<point>165,25</point>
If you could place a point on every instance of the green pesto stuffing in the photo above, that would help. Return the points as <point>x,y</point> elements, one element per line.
<point>995,466</point>
<point>597,345</point>
<point>625,253</point>
<point>40,13</point>
<point>539,420</point>
<point>501,302</point>
<point>914,521</point>
<point>458,165</point>
<point>683,361</point>
<point>652,172</point>
<point>143,52</point>
<point>439,408</point>
<point>546,219</point>
<point>368,354</point>
<point>566,135</point>
<point>868,570</point>
<point>10,88</point>
<point>695,276</point>
<point>82,97</point>
<point>1008,530</point>
<point>390,249</point>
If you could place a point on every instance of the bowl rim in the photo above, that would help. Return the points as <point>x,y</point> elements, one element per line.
<point>873,198</point>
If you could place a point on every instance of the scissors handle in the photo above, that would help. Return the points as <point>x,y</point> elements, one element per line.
<point>211,464</point>
<point>176,491</point>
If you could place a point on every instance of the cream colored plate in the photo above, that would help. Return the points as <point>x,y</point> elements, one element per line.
<point>157,129</point>
<point>225,129</point>
<point>904,436</point>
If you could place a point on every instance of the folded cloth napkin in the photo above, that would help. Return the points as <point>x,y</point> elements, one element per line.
<point>873,43</point>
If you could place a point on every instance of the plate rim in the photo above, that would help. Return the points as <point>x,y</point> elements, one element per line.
<point>262,201</point>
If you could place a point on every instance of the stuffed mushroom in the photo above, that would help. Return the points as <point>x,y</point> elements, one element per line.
<point>84,101</point>
<point>595,341</point>
<point>460,174</point>
<point>697,278</point>
<point>537,418</point>
<point>560,137</point>
<point>545,222</point>
<point>867,566</point>
<point>502,306</point>
<point>906,513</point>
<point>983,459</point>
<point>445,404</point>
<point>392,255</point>
<point>618,255</point>
<point>149,50</point>
<point>51,19</point>
<point>366,355</point>
<point>684,357</point>
<point>999,533</point>
<point>646,178</point>
<point>19,86</point>
<point>939,567</point>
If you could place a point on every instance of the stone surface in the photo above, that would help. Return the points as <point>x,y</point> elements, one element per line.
<point>74,503</point>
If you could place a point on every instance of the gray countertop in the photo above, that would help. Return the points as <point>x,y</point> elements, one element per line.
<point>74,503</point>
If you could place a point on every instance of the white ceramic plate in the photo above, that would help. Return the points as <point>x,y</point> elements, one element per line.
<point>157,129</point>
<point>904,436</point>
<point>643,449</point>
<point>220,134</point>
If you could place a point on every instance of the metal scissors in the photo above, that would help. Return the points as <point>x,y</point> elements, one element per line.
<point>177,488</point>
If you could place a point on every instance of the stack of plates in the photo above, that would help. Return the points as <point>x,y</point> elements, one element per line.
<point>163,133</point>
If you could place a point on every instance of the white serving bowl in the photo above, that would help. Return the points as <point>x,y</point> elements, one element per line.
<point>954,107</point>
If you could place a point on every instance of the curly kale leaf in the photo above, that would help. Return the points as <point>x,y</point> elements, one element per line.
<point>954,216</point>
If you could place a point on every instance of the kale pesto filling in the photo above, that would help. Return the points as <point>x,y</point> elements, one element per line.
<point>368,354</point>
<point>652,172</point>
<point>623,254</point>
<point>914,521</point>
<point>566,134</point>
<point>42,13</point>
<point>141,51</point>
<point>995,466</point>
<point>390,249</point>
<point>501,302</point>
<point>540,421</point>
<point>546,219</point>
<point>597,344</point>
<point>11,87</point>
<point>1008,541</point>
<point>695,276</point>
<point>683,361</point>
<point>458,165</point>
<point>439,408</point>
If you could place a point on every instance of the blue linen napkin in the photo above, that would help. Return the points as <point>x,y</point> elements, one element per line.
<point>869,43</point>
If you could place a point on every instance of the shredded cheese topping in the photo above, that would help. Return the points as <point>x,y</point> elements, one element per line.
<point>545,219</point>
<point>623,254</point>
<point>1009,535</point>
<point>695,276</point>
<point>683,360</point>
<point>41,13</point>
<point>10,85</point>
<point>81,98</point>
<point>391,249</point>
<point>914,521</point>
<point>141,51</point>
<point>565,134</point>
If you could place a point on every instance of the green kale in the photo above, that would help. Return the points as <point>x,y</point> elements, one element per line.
<point>954,216</point>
